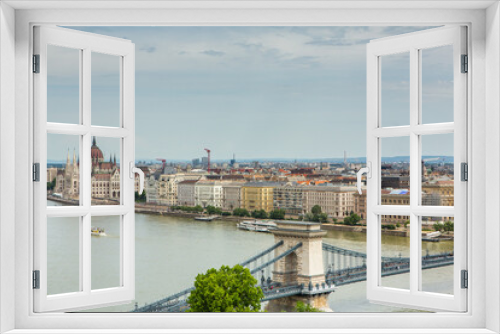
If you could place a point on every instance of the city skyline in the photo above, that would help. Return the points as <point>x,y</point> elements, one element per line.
<point>258,92</point>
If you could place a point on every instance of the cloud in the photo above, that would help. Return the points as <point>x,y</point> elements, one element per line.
<point>213,53</point>
<point>337,42</point>
<point>148,49</point>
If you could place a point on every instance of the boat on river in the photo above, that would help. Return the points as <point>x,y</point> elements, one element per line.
<point>257,225</point>
<point>205,219</point>
<point>97,232</point>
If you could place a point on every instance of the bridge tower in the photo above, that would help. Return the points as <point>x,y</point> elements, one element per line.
<point>303,266</point>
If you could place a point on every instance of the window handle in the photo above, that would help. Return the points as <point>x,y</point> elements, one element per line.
<point>134,170</point>
<point>367,170</point>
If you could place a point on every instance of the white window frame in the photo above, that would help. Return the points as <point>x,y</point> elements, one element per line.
<point>484,103</point>
<point>413,44</point>
<point>124,51</point>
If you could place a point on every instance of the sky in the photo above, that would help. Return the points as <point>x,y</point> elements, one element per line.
<point>257,92</point>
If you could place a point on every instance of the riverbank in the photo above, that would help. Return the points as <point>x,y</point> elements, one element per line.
<point>164,211</point>
<point>430,236</point>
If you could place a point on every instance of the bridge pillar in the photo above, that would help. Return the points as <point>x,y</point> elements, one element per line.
<point>303,266</point>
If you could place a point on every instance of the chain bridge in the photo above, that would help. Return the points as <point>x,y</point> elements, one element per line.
<point>293,269</point>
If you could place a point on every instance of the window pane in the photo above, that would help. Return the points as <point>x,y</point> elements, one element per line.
<point>437,254</point>
<point>63,169</point>
<point>395,171</point>
<point>106,252</point>
<point>437,170</point>
<point>63,85</point>
<point>395,248</point>
<point>437,84</point>
<point>105,90</point>
<point>395,89</point>
<point>63,255</point>
<point>105,153</point>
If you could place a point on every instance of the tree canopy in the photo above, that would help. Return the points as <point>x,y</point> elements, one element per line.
<point>316,210</point>
<point>241,212</point>
<point>259,214</point>
<point>225,290</point>
<point>353,219</point>
<point>302,307</point>
<point>277,214</point>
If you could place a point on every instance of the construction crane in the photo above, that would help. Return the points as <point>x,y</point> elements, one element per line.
<point>208,151</point>
<point>164,161</point>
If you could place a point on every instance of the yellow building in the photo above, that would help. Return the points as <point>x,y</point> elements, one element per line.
<point>258,196</point>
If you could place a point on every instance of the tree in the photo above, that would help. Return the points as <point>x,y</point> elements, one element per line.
<point>449,226</point>
<point>352,220</point>
<point>277,214</point>
<point>301,307</point>
<point>225,290</point>
<point>316,210</point>
<point>213,210</point>
<point>259,214</point>
<point>322,217</point>
<point>51,185</point>
<point>316,217</point>
<point>141,197</point>
<point>438,227</point>
<point>241,212</point>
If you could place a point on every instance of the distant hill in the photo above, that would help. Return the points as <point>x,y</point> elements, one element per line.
<point>428,158</point>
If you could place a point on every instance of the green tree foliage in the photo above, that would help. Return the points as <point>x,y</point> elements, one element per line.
<point>449,226</point>
<point>196,209</point>
<point>438,227</point>
<point>316,210</point>
<point>225,290</point>
<point>352,220</point>
<point>51,185</point>
<point>316,217</point>
<point>277,214</point>
<point>241,212</point>
<point>259,214</point>
<point>446,227</point>
<point>389,227</point>
<point>211,210</point>
<point>301,307</point>
<point>141,197</point>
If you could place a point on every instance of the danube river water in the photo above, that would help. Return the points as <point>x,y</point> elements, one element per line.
<point>171,251</point>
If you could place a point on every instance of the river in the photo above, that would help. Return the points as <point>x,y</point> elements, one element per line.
<point>171,251</point>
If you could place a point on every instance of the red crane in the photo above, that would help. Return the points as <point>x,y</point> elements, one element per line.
<point>208,151</point>
<point>164,163</point>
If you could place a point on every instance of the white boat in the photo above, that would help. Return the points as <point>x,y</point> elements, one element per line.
<point>256,225</point>
<point>206,219</point>
<point>97,232</point>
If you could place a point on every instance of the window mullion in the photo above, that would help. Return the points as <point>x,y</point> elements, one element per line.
<point>85,171</point>
<point>414,168</point>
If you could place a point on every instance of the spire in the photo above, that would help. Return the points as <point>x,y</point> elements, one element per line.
<point>74,156</point>
<point>94,141</point>
<point>67,159</point>
<point>115,160</point>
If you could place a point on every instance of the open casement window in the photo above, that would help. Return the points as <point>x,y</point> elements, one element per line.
<point>416,108</point>
<point>84,97</point>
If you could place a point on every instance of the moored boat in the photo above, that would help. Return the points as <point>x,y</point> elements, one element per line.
<point>256,225</point>
<point>98,232</point>
<point>206,219</point>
